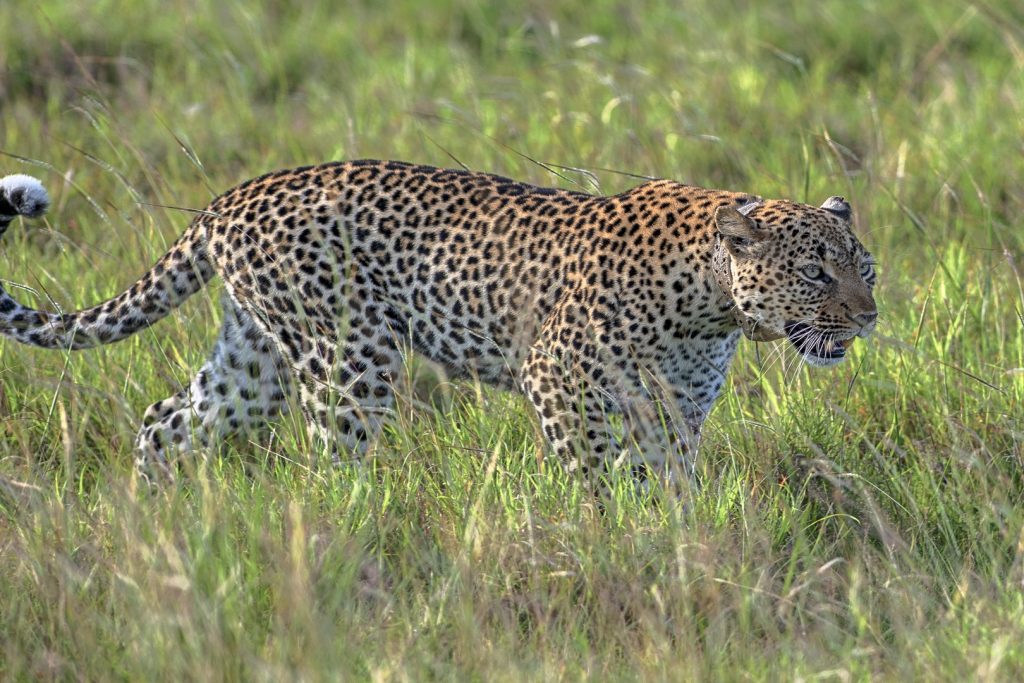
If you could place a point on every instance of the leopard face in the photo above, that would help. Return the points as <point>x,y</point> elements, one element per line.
<point>799,272</point>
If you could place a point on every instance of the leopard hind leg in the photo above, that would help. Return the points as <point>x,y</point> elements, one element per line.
<point>243,384</point>
<point>346,376</point>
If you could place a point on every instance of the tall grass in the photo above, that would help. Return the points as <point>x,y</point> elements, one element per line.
<point>862,522</point>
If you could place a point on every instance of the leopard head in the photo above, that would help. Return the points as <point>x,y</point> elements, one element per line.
<point>799,272</point>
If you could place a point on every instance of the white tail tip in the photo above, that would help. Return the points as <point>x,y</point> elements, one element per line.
<point>22,195</point>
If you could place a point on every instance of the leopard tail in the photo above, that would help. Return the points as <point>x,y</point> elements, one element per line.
<point>177,275</point>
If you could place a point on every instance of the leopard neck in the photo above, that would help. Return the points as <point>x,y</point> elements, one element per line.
<point>721,269</point>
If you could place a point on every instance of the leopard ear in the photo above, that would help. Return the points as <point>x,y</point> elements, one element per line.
<point>740,233</point>
<point>839,206</point>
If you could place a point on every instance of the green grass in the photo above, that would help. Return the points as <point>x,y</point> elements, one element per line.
<point>863,522</point>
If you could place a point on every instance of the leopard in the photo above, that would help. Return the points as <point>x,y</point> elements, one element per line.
<point>616,316</point>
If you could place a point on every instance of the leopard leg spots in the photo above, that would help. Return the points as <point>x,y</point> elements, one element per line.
<point>347,401</point>
<point>344,359</point>
<point>573,415</point>
<point>161,409</point>
<point>577,387</point>
<point>242,384</point>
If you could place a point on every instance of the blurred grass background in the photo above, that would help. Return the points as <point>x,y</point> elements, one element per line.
<point>855,523</point>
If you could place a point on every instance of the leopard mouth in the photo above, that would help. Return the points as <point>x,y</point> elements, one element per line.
<point>817,346</point>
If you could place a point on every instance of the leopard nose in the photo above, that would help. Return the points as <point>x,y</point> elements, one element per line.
<point>866,318</point>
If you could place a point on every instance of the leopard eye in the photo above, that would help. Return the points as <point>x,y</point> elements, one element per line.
<point>816,273</point>
<point>867,269</point>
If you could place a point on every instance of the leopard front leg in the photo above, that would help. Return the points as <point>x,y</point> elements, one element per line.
<point>573,415</point>
<point>578,374</point>
<point>572,389</point>
<point>666,415</point>
<point>662,441</point>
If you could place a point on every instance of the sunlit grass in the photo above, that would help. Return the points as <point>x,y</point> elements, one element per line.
<point>855,523</point>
